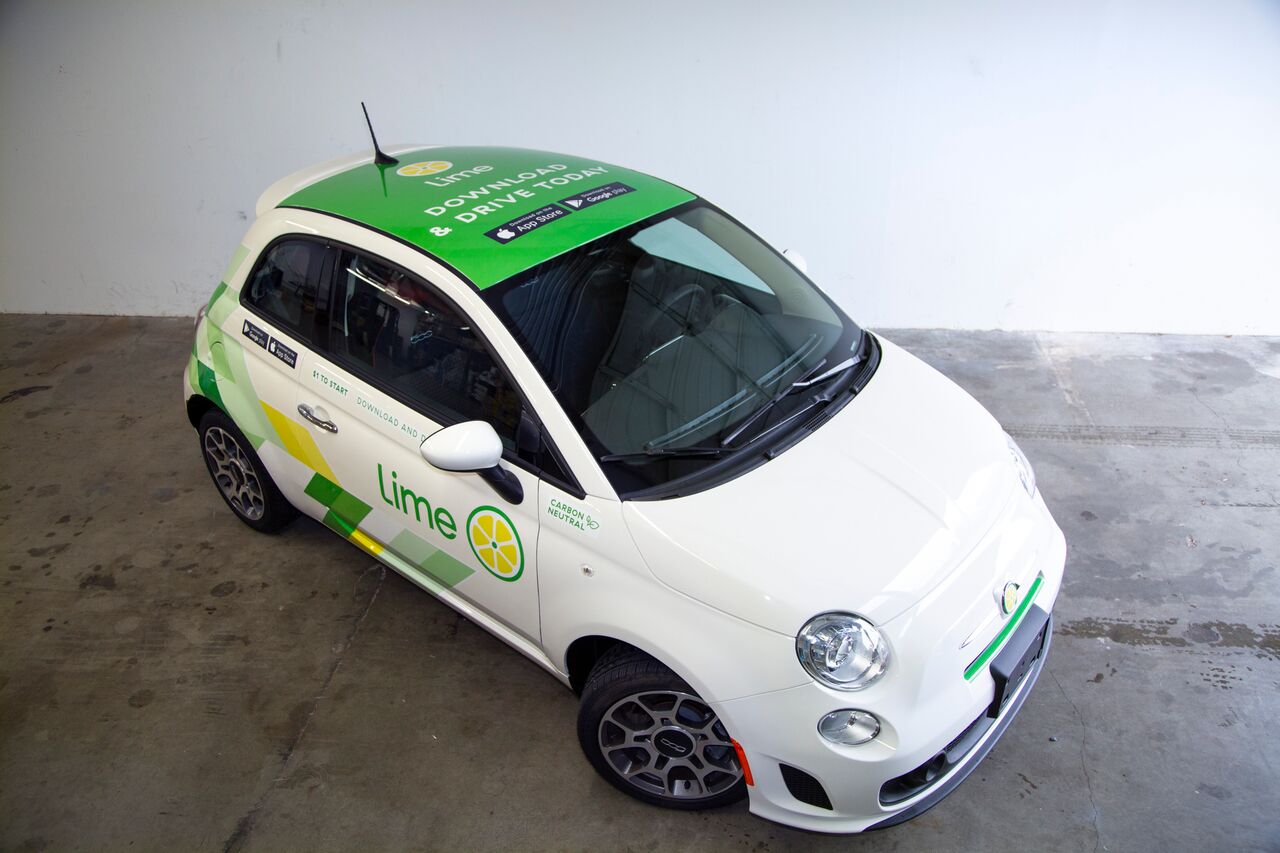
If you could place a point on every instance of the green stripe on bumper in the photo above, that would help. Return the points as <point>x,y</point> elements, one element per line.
<point>1009,627</point>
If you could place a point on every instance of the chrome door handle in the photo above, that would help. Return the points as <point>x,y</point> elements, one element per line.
<point>310,414</point>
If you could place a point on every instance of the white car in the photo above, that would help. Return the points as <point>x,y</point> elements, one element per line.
<point>776,555</point>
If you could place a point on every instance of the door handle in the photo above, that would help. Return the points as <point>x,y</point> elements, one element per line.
<point>310,414</point>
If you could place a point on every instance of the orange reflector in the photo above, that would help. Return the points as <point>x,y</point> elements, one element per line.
<point>742,760</point>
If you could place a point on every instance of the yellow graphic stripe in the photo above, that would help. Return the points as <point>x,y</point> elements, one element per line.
<point>298,442</point>
<point>367,542</point>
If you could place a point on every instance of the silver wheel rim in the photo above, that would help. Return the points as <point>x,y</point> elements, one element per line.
<point>669,744</point>
<point>234,473</point>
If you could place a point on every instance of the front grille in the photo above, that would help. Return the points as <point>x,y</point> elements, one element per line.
<point>804,787</point>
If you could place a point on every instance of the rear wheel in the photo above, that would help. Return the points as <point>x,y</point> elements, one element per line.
<point>240,476</point>
<point>651,736</point>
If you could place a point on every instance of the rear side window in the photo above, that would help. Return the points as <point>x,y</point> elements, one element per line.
<point>400,331</point>
<point>283,286</point>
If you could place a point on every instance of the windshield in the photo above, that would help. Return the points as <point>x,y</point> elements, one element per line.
<point>659,340</point>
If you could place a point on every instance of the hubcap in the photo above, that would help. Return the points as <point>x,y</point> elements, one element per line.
<point>234,473</point>
<point>673,742</point>
<point>670,744</point>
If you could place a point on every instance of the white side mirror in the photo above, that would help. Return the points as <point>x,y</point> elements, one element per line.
<point>797,260</point>
<point>468,446</point>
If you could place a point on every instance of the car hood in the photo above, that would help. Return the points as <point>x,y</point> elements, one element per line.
<point>867,514</point>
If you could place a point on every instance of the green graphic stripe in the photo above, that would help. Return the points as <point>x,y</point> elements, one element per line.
<point>444,569</point>
<point>217,294</point>
<point>438,213</point>
<point>208,383</point>
<point>323,490</point>
<point>345,513</point>
<point>338,524</point>
<point>1008,629</point>
<point>222,304</point>
<point>430,560</point>
<point>350,507</point>
<point>242,403</point>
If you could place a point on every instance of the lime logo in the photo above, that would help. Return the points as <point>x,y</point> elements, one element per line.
<point>495,543</point>
<point>1009,598</point>
<point>426,167</point>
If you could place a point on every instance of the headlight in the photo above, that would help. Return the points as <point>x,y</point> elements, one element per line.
<point>842,650</point>
<point>1023,467</point>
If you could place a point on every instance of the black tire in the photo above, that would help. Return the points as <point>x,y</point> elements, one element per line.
<point>626,685</point>
<point>239,471</point>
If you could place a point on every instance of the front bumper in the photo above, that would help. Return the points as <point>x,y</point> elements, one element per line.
<point>975,752</point>
<point>935,728</point>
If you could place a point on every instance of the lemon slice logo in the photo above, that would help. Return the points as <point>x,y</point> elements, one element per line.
<point>1009,597</point>
<point>426,167</point>
<point>495,543</point>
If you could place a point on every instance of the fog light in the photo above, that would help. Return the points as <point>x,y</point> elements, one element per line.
<point>849,727</point>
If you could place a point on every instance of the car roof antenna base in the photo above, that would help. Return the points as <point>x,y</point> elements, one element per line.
<point>380,157</point>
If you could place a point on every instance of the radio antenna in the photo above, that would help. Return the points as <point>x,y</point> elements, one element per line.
<point>380,157</point>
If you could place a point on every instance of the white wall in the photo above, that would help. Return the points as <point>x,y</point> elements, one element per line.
<point>1088,165</point>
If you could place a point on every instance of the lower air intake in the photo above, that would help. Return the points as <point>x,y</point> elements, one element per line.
<point>805,788</point>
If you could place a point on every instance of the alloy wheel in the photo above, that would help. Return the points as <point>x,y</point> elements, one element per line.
<point>234,473</point>
<point>669,744</point>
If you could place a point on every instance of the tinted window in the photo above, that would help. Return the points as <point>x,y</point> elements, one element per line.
<point>283,287</point>
<point>681,333</point>
<point>401,332</point>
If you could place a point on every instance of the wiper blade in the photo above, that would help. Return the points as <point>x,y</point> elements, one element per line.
<point>799,384</point>
<point>819,400</point>
<point>839,370</point>
<point>773,401</point>
<point>653,453</point>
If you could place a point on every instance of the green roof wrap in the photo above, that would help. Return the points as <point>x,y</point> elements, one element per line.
<point>491,212</point>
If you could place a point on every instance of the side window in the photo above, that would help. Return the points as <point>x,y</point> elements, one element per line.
<point>283,286</point>
<point>395,327</point>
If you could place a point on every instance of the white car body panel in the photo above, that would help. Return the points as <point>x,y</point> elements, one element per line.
<point>904,508</point>
<point>866,515</point>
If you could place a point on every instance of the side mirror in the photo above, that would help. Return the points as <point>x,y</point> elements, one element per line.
<point>474,447</point>
<point>469,446</point>
<point>797,260</point>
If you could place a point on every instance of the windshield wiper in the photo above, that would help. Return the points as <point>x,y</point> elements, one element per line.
<point>799,385</point>
<point>666,453</point>
<point>839,370</point>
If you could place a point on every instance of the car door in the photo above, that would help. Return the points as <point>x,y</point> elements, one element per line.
<point>403,363</point>
<point>263,348</point>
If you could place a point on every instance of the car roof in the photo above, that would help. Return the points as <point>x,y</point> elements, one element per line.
<point>489,213</point>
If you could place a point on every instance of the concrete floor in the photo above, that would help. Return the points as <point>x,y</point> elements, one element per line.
<point>171,680</point>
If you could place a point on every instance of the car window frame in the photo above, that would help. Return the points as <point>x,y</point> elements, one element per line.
<point>328,286</point>
<point>319,277</point>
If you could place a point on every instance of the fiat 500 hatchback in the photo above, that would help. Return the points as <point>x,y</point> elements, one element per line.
<point>776,555</point>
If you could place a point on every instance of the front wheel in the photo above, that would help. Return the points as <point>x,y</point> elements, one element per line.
<point>651,736</point>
